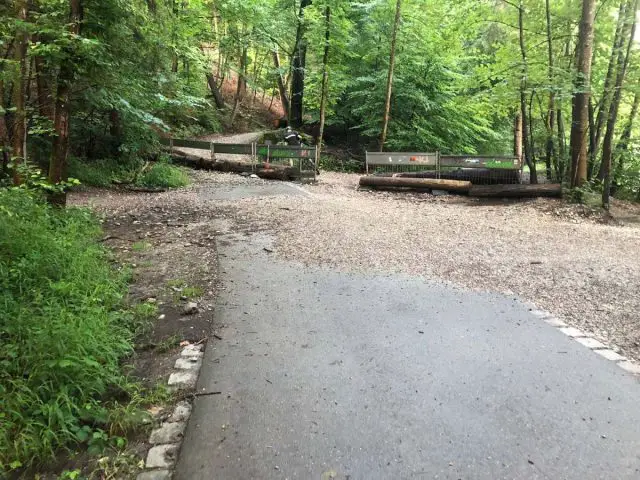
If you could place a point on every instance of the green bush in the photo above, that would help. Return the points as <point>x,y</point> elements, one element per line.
<point>63,329</point>
<point>164,175</point>
<point>103,173</point>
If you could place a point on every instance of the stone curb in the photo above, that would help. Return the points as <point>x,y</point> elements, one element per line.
<point>167,438</point>
<point>588,341</point>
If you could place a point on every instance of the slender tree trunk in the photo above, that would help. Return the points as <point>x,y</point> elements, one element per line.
<point>58,164</point>
<point>242,74</point>
<point>284,98</point>
<point>392,61</point>
<point>607,145</point>
<point>517,137</point>
<point>19,137</point>
<point>5,142</point>
<point>46,102</point>
<point>562,144</point>
<point>298,66</point>
<point>580,103</point>
<point>550,147</point>
<point>325,75</point>
<point>625,137</point>
<point>623,144</point>
<point>526,131</point>
<point>115,130</point>
<point>215,91</point>
<point>592,140</point>
<point>607,93</point>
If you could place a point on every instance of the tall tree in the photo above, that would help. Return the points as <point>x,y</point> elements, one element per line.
<point>607,92</point>
<point>324,91</point>
<point>580,103</point>
<point>623,62</point>
<point>392,61</point>
<point>282,89</point>
<point>298,66</point>
<point>19,137</point>
<point>526,126</point>
<point>552,97</point>
<point>62,118</point>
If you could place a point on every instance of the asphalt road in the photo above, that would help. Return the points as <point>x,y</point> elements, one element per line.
<point>323,374</point>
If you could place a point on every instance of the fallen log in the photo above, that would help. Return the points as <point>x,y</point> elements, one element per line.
<point>262,170</point>
<point>517,191</point>
<point>477,176</point>
<point>415,183</point>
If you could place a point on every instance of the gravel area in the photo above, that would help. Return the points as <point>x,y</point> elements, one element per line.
<point>556,255</point>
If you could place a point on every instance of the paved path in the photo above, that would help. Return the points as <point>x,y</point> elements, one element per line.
<point>325,375</point>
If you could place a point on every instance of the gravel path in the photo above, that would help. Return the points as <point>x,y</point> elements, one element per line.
<point>544,251</point>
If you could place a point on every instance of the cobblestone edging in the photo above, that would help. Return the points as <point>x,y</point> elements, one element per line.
<point>588,341</point>
<point>167,438</point>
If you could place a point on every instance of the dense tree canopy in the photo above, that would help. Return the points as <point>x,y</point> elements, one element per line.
<point>464,71</point>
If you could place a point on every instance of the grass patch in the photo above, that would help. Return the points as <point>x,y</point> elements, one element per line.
<point>179,288</point>
<point>168,344</point>
<point>192,292</point>
<point>104,173</point>
<point>141,246</point>
<point>164,175</point>
<point>64,330</point>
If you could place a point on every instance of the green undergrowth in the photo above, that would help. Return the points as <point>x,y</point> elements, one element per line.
<point>331,163</point>
<point>65,328</point>
<point>104,173</point>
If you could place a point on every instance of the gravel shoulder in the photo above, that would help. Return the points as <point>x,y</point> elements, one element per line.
<point>547,252</point>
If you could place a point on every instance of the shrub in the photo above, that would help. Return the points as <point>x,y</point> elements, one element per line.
<point>63,329</point>
<point>164,175</point>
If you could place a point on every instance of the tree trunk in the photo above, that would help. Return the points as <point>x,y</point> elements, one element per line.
<point>58,164</point>
<point>115,130</point>
<point>418,183</point>
<point>549,148</point>
<point>623,144</point>
<point>605,101</point>
<point>325,76</point>
<point>5,142</point>
<point>19,137</point>
<point>215,91</point>
<point>392,61</point>
<point>298,69</point>
<point>517,191</point>
<point>623,62</point>
<point>580,103</point>
<point>562,145</point>
<point>528,147</point>
<point>517,137</point>
<point>284,98</point>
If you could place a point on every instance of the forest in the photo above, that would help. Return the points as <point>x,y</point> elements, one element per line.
<point>89,87</point>
<point>89,81</point>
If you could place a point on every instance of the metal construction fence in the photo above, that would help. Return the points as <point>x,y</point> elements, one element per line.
<point>303,158</point>
<point>479,169</point>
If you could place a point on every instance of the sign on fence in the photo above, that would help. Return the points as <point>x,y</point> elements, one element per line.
<point>393,159</point>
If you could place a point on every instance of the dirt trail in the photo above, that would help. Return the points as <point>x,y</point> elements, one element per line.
<point>221,138</point>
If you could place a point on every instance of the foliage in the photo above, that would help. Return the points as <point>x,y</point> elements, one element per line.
<point>164,175</point>
<point>104,173</point>
<point>63,332</point>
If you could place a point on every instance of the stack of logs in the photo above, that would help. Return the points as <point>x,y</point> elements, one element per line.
<point>462,186</point>
<point>262,170</point>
